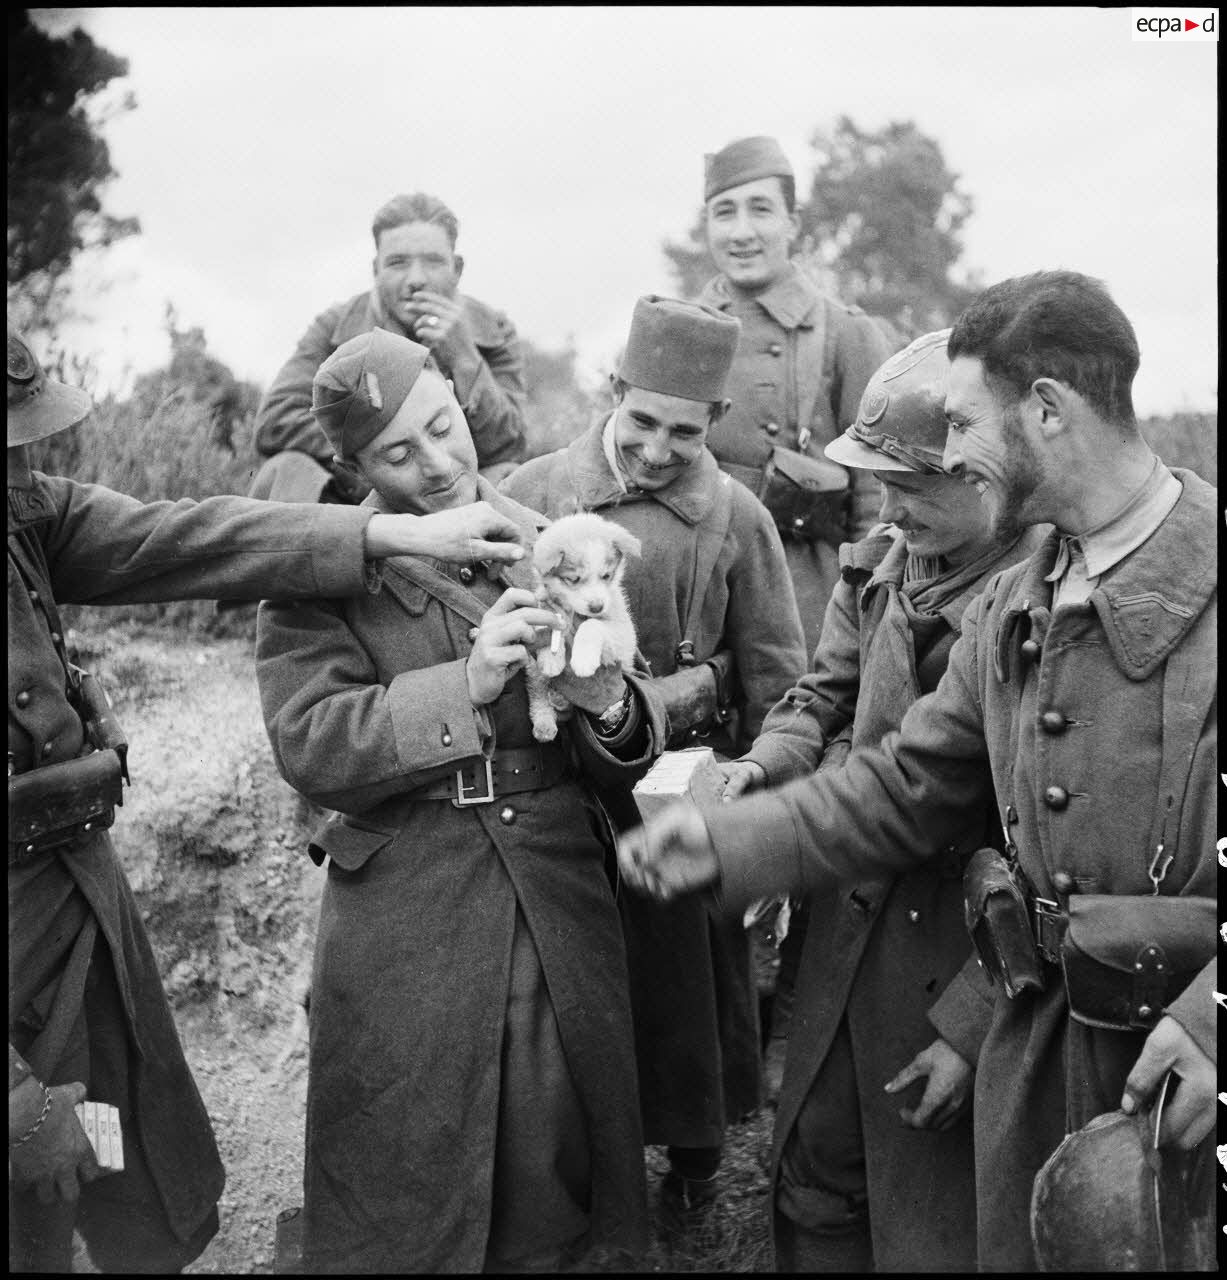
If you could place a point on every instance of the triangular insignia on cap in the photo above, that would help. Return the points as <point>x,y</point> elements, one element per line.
<point>372,390</point>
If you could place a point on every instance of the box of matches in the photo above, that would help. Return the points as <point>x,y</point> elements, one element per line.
<point>100,1121</point>
<point>691,774</point>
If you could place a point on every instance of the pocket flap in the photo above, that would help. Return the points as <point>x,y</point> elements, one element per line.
<point>348,845</point>
<point>815,474</point>
<point>1113,929</point>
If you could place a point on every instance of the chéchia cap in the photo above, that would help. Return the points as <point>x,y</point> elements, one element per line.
<point>358,390</point>
<point>901,421</point>
<point>38,406</point>
<point>743,161</point>
<point>679,348</point>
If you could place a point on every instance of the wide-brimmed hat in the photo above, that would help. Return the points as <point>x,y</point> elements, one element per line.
<point>38,405</point>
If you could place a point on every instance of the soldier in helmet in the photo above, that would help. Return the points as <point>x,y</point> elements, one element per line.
<point>87,1013</point>
<point>887,977</point>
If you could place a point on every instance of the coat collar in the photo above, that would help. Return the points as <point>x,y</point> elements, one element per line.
<point>792,301</point>
<point>1144,606</point>
<point>689,497</point>
<point>414,596</point>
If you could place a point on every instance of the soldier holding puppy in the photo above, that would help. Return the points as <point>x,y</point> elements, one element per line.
<point>471,1099</point>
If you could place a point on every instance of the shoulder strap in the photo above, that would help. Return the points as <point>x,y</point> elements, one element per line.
<point>1188,700</point>
<point>708,545</point>
<point>439,585</point>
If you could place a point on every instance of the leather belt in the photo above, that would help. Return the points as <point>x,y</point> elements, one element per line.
<point>509,771</point>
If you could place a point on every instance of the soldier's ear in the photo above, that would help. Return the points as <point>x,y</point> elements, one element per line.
<point>457,265</point>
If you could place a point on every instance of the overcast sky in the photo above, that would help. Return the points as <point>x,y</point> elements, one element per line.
<point>570,142</point>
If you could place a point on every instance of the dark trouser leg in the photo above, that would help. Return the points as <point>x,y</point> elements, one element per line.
<point>542,1161</point>
<point>821,1206</point>
<point>120,1215</point>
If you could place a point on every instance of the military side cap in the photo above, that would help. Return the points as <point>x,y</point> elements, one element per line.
<point>743,161</point>
<point>358,390</point>
<point>679,348</point>
<point>38,406</point>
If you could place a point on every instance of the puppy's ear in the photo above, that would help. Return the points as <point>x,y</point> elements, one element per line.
<point>547,553</point>
<point>626,542</point>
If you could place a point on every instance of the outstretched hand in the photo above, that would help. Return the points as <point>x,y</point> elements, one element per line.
<point>459,535</point>
<point>670,854</point>
<point>741,776</point>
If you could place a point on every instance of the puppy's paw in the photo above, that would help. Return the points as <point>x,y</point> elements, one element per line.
<point>586,648</point>
<point>545,727</point>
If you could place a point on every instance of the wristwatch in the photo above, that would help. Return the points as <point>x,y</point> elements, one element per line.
<point>611,718</point>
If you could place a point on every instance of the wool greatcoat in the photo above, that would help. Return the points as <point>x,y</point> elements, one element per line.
<point>366,702</point>
<point>73,922</point>
<point>803,360</point>
<point>493,406</point>
<point>696,1019</point>
<point>888,955</point>
<point>1127,764</point>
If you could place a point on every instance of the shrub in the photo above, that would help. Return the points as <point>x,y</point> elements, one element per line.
<point>171,453</point>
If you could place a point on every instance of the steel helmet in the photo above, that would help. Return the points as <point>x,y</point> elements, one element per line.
<point>37,406</point>
<point>901,422</point>
<point>1108,1200</point>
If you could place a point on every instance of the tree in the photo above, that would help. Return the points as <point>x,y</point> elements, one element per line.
<point>558,408</point>
<point>58,162</point>
<point>881,227</point>
<point>195,377</point>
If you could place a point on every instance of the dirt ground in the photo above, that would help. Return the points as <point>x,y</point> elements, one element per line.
<point>214,844</point>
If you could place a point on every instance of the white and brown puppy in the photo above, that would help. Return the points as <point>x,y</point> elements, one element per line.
<point>579,560</point>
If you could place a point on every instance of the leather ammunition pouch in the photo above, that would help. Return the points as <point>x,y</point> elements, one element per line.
<point>1126,958</point>
<point>999,922</point>
<point>809,498</point>
<point>698,697</point>
<point>52,806</point>
<point>60,803</point>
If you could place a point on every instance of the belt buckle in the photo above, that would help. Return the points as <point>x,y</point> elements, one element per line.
<point>462,801</point>
<point>1048,915</point>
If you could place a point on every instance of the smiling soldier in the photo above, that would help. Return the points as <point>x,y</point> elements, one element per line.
<point>712,584</point>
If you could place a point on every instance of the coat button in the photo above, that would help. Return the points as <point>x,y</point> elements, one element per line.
<point>1056,797</point>
<point>56,637</point>
<point>914,916</point>
<point>1030,650</point>
<point>473,633</point>
<point>1064,883</point>
<point>22,699</point>
<point>771,428</point>
<point>446,739</point>
<point>467,575</point>
<point>775,349</point>
<point>48,747</point>
<point>34,597</point>
<point>507,815</point>
<point>1053,722</point>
